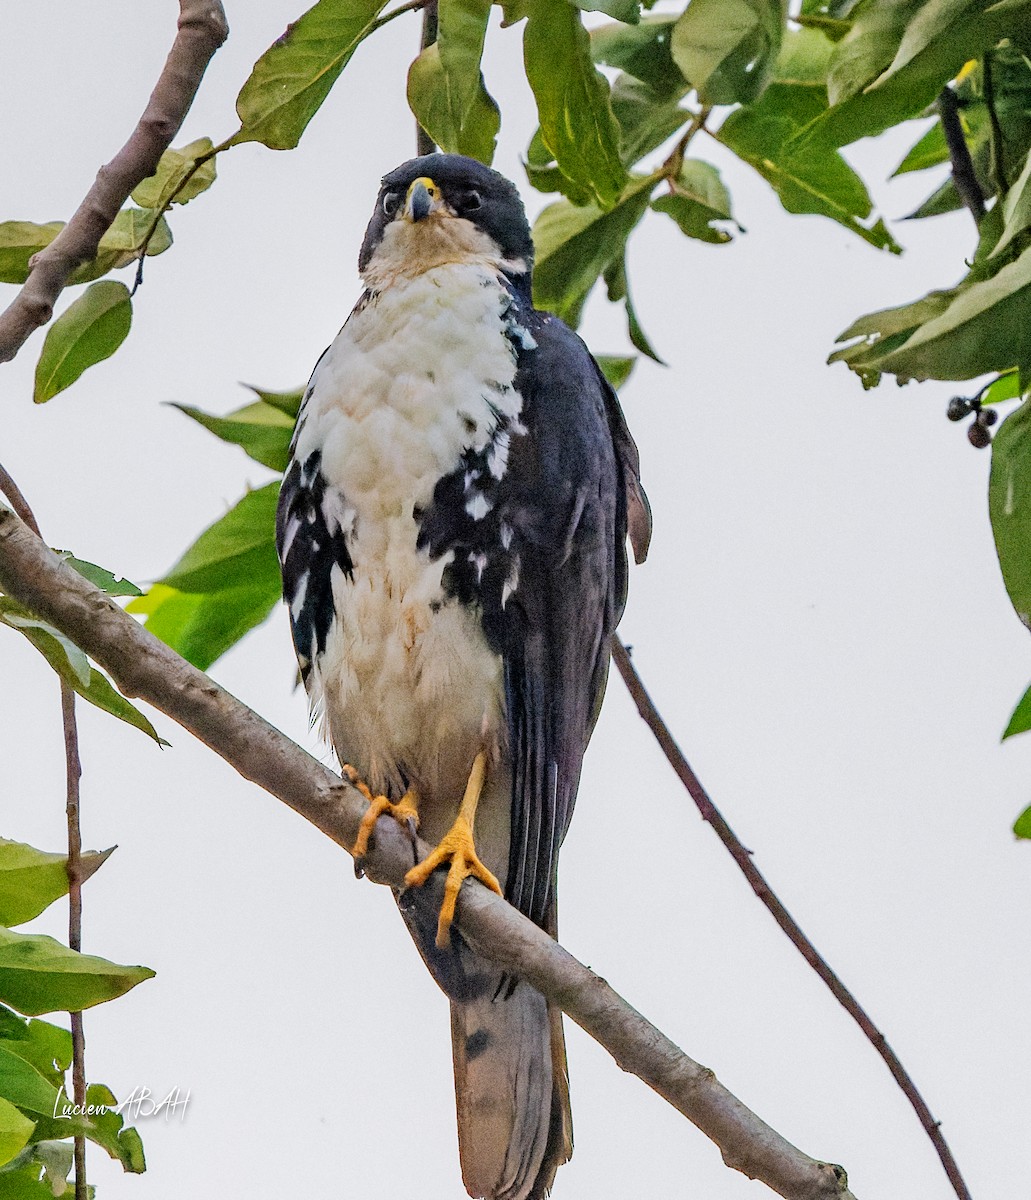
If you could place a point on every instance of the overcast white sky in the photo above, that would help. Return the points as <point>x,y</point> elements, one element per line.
<point>821,620</point>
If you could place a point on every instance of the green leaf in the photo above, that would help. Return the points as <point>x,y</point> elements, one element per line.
<point>645,119</point>
<point>74,668</point>
<point>237,551</point>
<point>122,243</point>
<point>1022,825</point>
<point>617,369</point>
<point>1020,722</point>
<point>618,284</point>
<point>261,430</point>
<point>289,82</point>
<point>87,332</point>
<point>47,1047</point>
<point>577,124</point>
<point>628,11</point>
<point>1009,506</point>
<point>869,46</point>
<point>929,151</point>
<point>643,51</point>
<point>726,48</point>
<point>576,244</point>
<point>180,174</point>
<point>15,1131</point>
<point>458,129</point>
<point>937,38</point>
<point>697,198</point>
<point>986,327</point>
<point>19,241</point>
<point>286,402</point>
<point>39,975</point>
<point>1006,387</point>
<point>817,180</point>
<point>107,581</point>
<point>31,880</point>
<point>1016,209</point>
<point>23,1085</point>
<point>202,628</point>
<point>21,1178</point>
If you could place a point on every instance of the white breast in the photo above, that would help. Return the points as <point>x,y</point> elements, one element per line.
<point>408,685</point>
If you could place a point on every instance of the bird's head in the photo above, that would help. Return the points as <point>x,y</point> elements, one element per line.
<point>444,208</point>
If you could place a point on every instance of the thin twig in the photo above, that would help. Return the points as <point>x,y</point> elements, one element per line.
<point>964,175</point>
<point>202,29</point>
<point>743,858</point>
<point>411,6</point>
<point>144,667</point>
<point>73,773</point>
<point>424,144</point>
<point>670,169</point>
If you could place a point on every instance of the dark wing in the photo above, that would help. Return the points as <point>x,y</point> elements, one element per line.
<point>546,566</point>
<point>311,539</point>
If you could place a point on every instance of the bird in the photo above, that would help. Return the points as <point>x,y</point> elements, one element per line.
<point>452,531</point>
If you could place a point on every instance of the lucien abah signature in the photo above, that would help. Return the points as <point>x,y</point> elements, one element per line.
<point>139,1104</point>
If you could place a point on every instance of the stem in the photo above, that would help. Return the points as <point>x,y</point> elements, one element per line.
<point>743,857</point>
<point>670,169</point>
<point>424,144</point>
<point>964,176</point>
<point>73,773</point>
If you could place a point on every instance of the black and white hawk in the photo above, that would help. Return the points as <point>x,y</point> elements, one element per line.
<point>452,533</point>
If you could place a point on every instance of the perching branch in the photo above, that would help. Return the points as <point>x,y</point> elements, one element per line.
<point>146,668</point>
<point>202,29</point>
<point>674,755</point>
<point>73,774</point>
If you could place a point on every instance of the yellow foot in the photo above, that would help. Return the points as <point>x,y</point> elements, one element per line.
<point>405,812</point>
<point>457,848</point>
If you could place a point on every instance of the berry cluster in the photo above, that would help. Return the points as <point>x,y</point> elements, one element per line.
<point>977,431</point>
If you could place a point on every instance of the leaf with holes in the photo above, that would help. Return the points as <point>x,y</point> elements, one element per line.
<point>726,48</point>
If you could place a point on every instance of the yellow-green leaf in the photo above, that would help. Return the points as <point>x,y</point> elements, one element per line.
<point>39,975</point>
<point>180,174</point>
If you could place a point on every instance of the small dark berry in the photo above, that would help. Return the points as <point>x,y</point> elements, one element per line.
<point>987,416</point>
<point>978,435</point>
<point>958,408</point>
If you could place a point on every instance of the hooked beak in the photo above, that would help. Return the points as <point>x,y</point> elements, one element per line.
<point>423,197</point>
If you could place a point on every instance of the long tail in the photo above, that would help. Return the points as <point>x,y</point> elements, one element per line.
<point>511,1080</point>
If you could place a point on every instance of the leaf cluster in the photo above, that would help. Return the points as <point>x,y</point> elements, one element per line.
<point>40,975</point>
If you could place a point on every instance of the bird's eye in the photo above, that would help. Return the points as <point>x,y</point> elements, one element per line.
<point>471,201</point>
<point>390,203</point>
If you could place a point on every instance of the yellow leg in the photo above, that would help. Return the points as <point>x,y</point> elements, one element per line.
<point>457,848</point>
<point>405,811</point>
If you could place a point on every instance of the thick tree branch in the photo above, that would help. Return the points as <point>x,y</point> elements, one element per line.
<point>743,857</point>
<point>144,667</point>
<point>202,29</point>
